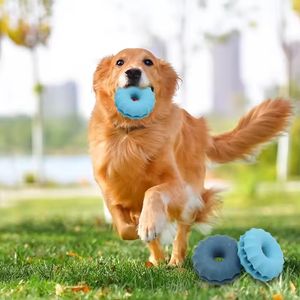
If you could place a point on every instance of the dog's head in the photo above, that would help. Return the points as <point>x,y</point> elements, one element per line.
<point>134,67</point>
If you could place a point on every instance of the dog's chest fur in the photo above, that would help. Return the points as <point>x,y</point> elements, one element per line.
<point>125,163</point>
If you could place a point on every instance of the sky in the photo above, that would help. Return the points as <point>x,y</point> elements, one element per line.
<point>86,30</point>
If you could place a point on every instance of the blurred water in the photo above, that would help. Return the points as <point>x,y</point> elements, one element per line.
<point>59,169</point>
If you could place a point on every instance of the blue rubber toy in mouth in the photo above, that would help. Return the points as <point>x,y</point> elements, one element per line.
<point>135,103</point>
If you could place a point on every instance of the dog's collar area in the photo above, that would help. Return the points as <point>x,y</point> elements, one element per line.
<point>129,129</point>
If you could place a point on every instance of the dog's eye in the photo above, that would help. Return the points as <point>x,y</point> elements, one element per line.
<point>120,62</point>
<point>148,62</point>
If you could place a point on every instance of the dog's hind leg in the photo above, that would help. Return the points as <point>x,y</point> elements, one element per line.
<point>123,223</point>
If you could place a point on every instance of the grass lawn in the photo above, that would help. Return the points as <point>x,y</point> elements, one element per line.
<point>50,246</point>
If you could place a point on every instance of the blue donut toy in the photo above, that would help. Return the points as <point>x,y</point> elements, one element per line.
<point>216,261</point>
<point>135,103</point>
<point>260,254</point>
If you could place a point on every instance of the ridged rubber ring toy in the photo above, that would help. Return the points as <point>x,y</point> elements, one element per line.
<point>260,254</point>
<point>216,261</point>
<point>135,103</point>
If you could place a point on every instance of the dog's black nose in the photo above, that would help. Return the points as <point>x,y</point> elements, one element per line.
<point>134,74</point>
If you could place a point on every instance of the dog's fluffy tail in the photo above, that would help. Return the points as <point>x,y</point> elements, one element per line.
<point>258,126</point>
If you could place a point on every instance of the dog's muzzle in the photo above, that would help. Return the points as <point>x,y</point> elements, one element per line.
<point>134,77</point>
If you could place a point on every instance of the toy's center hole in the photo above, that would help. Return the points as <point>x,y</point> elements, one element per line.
<point>218,259</point>
<point>134,97</point>
<point>265,251</point>
<point>218,256</point>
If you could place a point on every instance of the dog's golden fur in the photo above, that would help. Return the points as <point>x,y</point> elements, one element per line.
<point>152,171</point>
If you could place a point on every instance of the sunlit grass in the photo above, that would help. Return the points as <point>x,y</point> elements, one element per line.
<point>48,242</point>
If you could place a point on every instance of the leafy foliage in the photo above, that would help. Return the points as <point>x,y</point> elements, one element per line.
<point>15,135</point>
<point>26,23</point>
<point>294,161</point>
<point>65,135</point>
<point>296,6</point>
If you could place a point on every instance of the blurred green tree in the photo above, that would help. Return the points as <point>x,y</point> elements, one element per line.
<point>27,23</point>
<point>61,135</point>
<point>15,135</point>
<point>294,159</point>
<point>289,146</point>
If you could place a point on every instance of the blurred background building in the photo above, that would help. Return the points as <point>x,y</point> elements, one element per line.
<point>60,101</point>
<point>228,88</point>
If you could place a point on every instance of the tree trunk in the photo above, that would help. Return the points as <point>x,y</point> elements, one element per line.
<point>182,49</point>
<point>37,122</point>
<point>283,142</point>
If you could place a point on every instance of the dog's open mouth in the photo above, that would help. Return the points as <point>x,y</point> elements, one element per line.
<point>129,85</point>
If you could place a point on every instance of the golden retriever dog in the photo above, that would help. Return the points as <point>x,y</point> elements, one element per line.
<point>151,171</point>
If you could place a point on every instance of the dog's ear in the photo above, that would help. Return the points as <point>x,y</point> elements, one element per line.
<point>169,78</point>
<point>102,72</point>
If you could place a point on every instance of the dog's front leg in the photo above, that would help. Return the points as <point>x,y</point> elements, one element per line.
<point>161,202</point>
<point>156,252</point>
<point>170,201</point>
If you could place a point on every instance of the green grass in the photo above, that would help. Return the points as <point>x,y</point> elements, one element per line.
<point>36,235</point>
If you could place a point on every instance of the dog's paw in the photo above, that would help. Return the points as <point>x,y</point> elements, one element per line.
<point>176,261</point>
<point>156,261</point>
<point>151,225</point>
